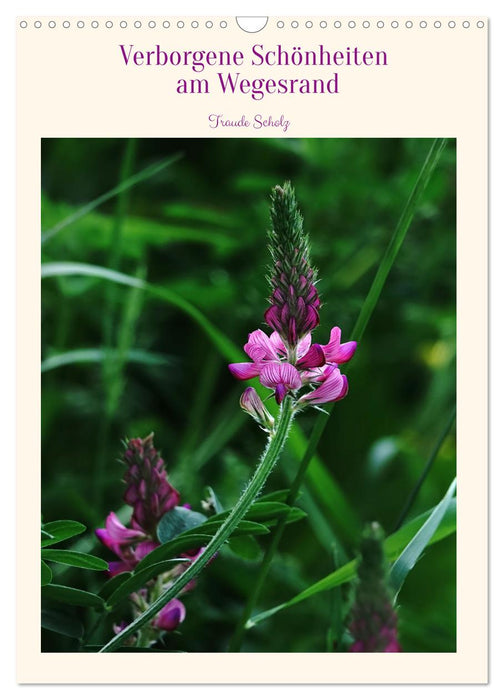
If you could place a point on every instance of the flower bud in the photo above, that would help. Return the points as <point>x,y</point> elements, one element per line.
<point>252,404</point>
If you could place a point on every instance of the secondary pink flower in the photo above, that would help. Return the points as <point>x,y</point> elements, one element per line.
<point>148,489</point>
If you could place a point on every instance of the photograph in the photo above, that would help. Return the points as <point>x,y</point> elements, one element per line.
<point>248,392</point>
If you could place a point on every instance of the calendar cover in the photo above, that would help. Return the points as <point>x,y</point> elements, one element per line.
<point>252,349</point>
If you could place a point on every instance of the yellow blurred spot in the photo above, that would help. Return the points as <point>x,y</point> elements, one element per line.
<point>437,354</point>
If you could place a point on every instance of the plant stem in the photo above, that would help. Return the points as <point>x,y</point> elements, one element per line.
<point>267,462</point>
<point>365,314</point>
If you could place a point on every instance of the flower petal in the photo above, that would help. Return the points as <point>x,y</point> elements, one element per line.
<point>337,352</point>
<point>274,373</point>
<point>333,388</point>
<point>313,358</point>
<point>346,351</point>
<point>244,370</point>
<point>278,343</point>
<point>259,347</point>
<point>170,616</point>
<point>303,346</point>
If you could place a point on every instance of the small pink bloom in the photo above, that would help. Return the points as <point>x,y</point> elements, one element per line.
<point>170,617</point>
<point>280,376</point>
<point>116,536</point>
<point>252,404</point>
<point>337,352</point>
<point>334,387</point>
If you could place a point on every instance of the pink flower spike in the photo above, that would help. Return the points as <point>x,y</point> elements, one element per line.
<point>244,370</point>
<point>333,388</point>
<point>170,617</point>
<point>337,352</point>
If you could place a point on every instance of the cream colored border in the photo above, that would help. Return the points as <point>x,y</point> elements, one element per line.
<point>70,83</point>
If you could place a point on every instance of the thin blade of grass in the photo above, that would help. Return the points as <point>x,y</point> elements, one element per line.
<point>374,293</point>
<point>413,551</point>
<point>426,470</point>
<point>144,174</point>
<point>96,355</point>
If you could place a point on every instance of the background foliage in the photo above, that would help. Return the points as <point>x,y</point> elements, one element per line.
<point>194,224</point>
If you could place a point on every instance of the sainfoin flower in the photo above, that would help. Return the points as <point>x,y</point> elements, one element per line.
<point>287,361</point>
<point>150,495</point>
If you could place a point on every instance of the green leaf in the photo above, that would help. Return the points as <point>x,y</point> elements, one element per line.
<point>393,546</point>
<point>274,496</point>
<point>109,587</point>
<point>139,578</point>
<point>415,547</point>
<point>213,500</point>
<point>176,521</point>
<point>62,623</point>
<point>245,527</point>
<point>245,547</point>
<point>46,574</point>
<point>261,511</point>
<point>77,559</point>
<point>182,543</point>
<point>72,596</point>
<point>60,530</point>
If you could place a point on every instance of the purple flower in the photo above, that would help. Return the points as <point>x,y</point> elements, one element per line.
<point>130,545</point>
<point>294,301</point>
<point>170,616</point>
<point>288,370</point>
<point>148,489</point>
<point>252,404</point>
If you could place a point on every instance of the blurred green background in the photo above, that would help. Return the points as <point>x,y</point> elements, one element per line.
<point>197,227</point>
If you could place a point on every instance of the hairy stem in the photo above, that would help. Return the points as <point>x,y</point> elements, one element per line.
<point>267,462</point>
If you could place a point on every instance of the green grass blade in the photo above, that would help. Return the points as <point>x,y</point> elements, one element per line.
<point>57,269</point>
<point>426,469</point>
<point>374,295</point>
<point>394,545</point>
<point>139,177</point>
<point>414,549</point>
<point>96,355</point>
<point>398,237</point>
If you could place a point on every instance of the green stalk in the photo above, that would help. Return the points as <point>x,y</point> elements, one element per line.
<point>426,470</point>
<point>267,462</point>
<point>366,311</point>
